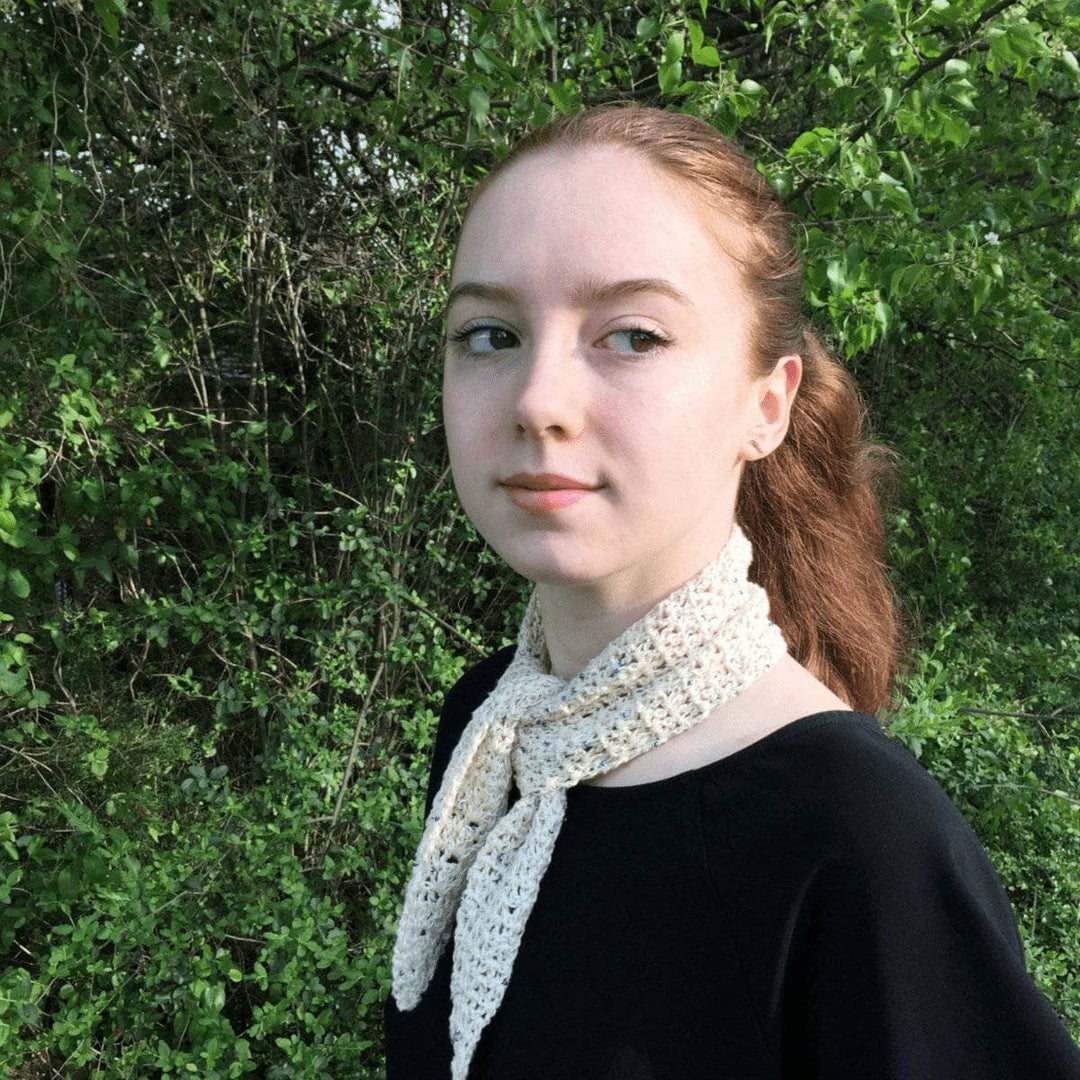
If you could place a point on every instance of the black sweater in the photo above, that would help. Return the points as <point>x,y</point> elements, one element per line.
<point>812,906</point>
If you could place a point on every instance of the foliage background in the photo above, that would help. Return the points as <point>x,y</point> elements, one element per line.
<point>234,580</point>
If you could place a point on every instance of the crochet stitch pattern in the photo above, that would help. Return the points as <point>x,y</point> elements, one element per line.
<point>697,648</point>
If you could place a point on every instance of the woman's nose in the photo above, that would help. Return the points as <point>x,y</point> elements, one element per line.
<point>551,393</point>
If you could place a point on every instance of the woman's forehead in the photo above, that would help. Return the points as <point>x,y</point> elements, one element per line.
<point>599,211</point>
<point>583,185</point>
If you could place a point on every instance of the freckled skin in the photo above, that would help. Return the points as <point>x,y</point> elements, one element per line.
<point>665,430</point>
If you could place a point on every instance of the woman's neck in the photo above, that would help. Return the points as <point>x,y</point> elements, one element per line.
<point>580,621</point>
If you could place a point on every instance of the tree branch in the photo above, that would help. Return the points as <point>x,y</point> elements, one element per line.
<point>379,79</point>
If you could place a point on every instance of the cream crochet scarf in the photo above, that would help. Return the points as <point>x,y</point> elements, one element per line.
<point>697,648</point>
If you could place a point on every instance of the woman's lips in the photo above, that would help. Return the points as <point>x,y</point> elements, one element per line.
<point>544,502</point>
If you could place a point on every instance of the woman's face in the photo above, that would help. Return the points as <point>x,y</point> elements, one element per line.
<point>596,330</point>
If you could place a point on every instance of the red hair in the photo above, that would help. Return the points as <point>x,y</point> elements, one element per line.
<point>811,507</point>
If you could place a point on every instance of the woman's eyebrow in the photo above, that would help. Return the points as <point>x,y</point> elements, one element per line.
<point>584,293</point>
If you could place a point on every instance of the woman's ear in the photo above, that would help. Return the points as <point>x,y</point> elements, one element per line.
<point>774,396</point>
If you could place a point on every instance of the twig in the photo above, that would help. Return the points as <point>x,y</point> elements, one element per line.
<point>1029,787</point>
<point>352,751</point>
<point>1022,715</point>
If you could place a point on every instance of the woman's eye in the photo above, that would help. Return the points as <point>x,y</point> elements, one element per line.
<point>484,339</point>
<point>638,341</point>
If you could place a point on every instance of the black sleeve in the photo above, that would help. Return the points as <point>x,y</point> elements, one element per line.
<point>907,962</point>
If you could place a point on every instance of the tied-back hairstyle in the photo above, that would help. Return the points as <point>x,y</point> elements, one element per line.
<point>810,507</point>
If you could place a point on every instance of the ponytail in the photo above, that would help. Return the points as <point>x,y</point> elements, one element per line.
<point>811,510</point>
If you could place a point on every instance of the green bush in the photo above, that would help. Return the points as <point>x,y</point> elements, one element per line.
<point>235,582</point>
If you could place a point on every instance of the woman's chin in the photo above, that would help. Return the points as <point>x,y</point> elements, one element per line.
<point>547,561</point>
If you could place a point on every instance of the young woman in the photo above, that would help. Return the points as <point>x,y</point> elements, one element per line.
<point>666,838</point>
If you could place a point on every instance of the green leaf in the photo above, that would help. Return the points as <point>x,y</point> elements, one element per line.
<point>98,761</point>
<point>483,61</point>
<point>18,583</point>
<point>697,38</point>
<point>818,141</point>
<point>479,104</point>
<point>647,28</point>
<point>956,128</point>
<point>1001,51</point>
<point>545,24</point>
<point>707,56</point>
<point>909,172</point>
<point>562,95</point>
<point>670,76</point>
<point>1024,39</point>
<point>751,88</point>
<point>109,22</point>
<point>674,48</point>
<point>834,271</point>
<point>905,278</point>
<point>877,12</point>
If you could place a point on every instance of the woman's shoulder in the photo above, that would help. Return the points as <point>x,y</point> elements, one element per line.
<point>835,855</point>
<point>838,799</point>
<point>837,770</point>
<point>839,823</point>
